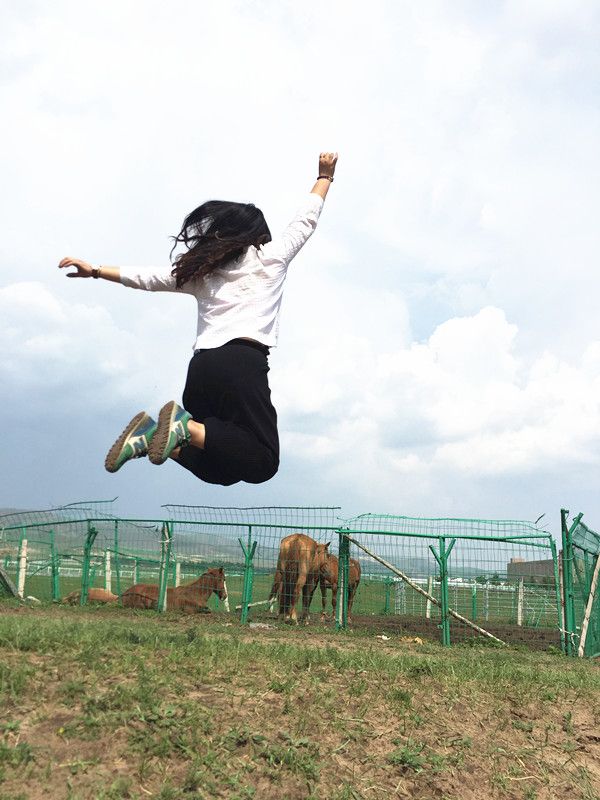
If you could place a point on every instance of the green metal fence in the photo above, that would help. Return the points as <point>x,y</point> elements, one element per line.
<point>581,594</point>
<point>459,578</point>
<point>499,575</point>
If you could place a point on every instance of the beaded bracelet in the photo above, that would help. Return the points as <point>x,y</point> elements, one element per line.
<point>325,178</point>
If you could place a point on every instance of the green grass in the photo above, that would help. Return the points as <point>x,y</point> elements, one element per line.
<point>190,708</point>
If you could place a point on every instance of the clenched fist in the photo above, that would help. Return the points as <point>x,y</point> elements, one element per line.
<point>327,162</point>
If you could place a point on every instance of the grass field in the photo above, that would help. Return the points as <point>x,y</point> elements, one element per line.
<point>109,703</point>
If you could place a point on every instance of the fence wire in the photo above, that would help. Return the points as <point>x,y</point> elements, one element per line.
<point>499,574</point>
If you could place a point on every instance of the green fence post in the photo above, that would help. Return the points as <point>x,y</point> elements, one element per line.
<point>442,560</point>
<point>165,557</point>
<point>552,544</point>
<point>55,569</point>
<point>248,549</point>
<point>117,559</point>
<point>85,570</point>
<point>341,612</point>
<point>568,592</point>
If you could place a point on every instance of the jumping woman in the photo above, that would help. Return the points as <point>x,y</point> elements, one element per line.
<point>227,429</point>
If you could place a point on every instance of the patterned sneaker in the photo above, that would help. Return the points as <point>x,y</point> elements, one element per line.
<point>132,443</point>
<point>172,432</point>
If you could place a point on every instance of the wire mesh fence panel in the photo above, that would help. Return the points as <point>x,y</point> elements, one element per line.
<point>246,542</point>
<point>461,576</point>
<point>582,567</point>
<point>444,578</point>
<point>31,555</point>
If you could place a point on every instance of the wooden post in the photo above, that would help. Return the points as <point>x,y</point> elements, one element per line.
<point>177,572</point>
<point>430,593</point>
<point>520,599</point>
<point>226,600</point>
<point>22,567</point>
<point>107,572</point>
<point>588,608</point>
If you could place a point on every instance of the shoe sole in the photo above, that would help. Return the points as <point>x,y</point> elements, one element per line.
<point>110,462</point>
<point>156,450</point>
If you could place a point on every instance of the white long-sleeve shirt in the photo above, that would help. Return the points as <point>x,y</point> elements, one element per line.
<point>242,298</point>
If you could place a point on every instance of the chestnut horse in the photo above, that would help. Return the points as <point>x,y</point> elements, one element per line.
<point>329,580</point>
<point>191,597</point>
<point>94,596</point>
<point>298,569</point>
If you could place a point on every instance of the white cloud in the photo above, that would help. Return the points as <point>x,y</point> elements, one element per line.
<point>464,210</point>
<point>462,402</point>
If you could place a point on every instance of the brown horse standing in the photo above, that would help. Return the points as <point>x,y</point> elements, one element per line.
<point>94,596</point>
<point>191,597</point>
<point>298,568</point>
<point>329,580</point>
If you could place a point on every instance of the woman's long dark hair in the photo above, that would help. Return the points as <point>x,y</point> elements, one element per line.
<point>214,234</point>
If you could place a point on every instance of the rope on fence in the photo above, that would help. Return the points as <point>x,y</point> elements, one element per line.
<point>418,589</point>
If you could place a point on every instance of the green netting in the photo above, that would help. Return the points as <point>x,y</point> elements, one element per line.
<point>582,589</point>
<point>226,536</point>
<point>499,574</point>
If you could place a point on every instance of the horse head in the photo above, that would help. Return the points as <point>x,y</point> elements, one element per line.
<point>321,557</point>
<point>219,587</point>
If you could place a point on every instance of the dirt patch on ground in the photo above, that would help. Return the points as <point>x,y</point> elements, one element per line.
<point>178,707</point>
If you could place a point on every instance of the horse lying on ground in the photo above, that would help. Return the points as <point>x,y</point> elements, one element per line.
<point>94,596</point>
<point>298,569</point>
<point>191,597</point>
<point>329,580</point>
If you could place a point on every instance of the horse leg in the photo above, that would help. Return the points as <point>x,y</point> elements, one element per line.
<point>307,595</point>
<point>298,590</point>
<point>334,591</point>
<point>323,587</point>
<point>277,589</point>
<point>351,593</point>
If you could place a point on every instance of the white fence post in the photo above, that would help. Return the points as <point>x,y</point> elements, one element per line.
<point>226,600</point>
<point>429,591</point>
<point>486,601</point>
<point>177,573</point>
<point>520,599</point>
<point>107,572</point>
<point>22,567</point>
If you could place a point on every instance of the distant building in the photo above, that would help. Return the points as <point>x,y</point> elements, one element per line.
<point>531,571</point>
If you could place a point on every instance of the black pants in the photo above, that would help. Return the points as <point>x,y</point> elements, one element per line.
<point>228,391</point>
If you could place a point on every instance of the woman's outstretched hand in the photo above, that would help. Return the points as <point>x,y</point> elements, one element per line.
<point>84,270</point>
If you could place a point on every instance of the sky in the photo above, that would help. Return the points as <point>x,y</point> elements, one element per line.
<point>439,349</point>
